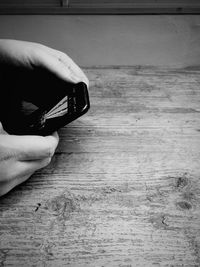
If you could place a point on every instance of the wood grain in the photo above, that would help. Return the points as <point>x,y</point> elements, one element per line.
<point>124,186</point>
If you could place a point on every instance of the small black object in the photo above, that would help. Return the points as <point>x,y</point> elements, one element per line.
<point>67,108</point>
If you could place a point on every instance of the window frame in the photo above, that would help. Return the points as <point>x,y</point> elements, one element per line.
<point>103,9</point>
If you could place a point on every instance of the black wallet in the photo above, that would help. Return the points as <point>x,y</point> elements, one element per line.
<point>62,111</point>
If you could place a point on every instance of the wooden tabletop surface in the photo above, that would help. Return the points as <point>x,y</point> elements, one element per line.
<point>124,186</point>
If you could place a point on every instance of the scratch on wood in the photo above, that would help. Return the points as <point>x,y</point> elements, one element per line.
<point>183,205</point>
<point>3,256</point>
<point>159,221</point>
<point>37,207</point>
<point>164,220</point>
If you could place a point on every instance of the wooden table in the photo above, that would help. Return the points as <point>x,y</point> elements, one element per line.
<point>124,186</point>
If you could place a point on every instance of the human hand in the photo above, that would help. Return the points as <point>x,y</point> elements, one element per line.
<point>33,73</point>
<point>29,55</point>
<point>21,156</point>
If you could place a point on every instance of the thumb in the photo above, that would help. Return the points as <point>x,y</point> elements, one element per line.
<point>30,147</point>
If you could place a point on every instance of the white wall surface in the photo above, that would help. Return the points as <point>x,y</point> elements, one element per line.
<point>160,40</point>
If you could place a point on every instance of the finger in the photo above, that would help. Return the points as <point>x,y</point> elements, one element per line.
<point>25,167</point>
<point>30,147</point>
<point>67,62</point>
<point>19,169</point>
<point>20,172</point>
<point>55,66</point>
<point>5,187</point>
<point>45,148</point>
<point>74,68</point>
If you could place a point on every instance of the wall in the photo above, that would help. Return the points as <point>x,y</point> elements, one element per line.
<point>113,40</point>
